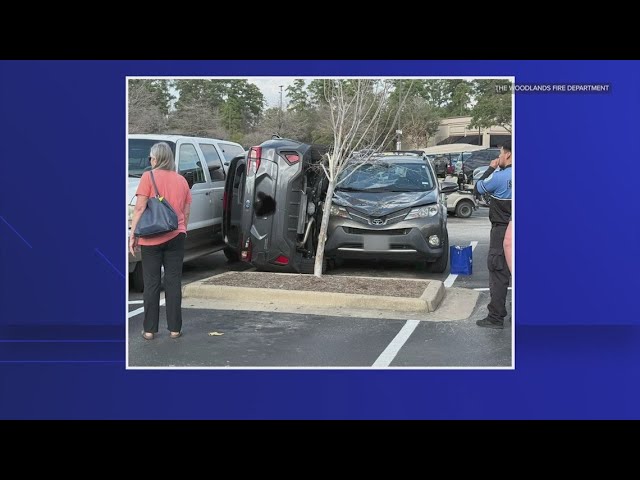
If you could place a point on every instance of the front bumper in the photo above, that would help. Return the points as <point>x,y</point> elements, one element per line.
<point>406,240</point>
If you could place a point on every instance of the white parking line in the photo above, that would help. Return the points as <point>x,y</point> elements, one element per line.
<point>138,311</point>
<point>136,302</point>
<point>452,277</point>
<point>485,289</point>
<point>386,357</point>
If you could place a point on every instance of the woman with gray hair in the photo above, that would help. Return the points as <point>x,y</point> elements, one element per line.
<point>166,249</point>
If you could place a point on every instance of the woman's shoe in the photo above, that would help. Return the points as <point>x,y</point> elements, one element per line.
<point>175,334</point>
<point>147,335</point>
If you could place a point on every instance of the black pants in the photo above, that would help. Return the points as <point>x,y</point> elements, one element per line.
<point>499,275</point>
<point>170,254</point>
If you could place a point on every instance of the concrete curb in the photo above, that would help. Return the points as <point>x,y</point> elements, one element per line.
<point>433,295</point>
<point>428,301</point>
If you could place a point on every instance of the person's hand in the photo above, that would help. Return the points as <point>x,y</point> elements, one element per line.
<point>494,163</point>
<point>133,244</point>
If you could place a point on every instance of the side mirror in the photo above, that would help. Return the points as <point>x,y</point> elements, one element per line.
<point>448,187</point>
<point>212,174</point>
<point>190,178</point>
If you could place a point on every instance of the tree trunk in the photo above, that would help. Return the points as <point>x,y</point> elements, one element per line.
<point>324,225</point>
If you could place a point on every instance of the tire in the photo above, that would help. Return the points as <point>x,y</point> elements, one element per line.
<point>464,209</point>
<point>231,254</point>
<point>308,268</point>
<point>440,265</point>
<point>135,281</point>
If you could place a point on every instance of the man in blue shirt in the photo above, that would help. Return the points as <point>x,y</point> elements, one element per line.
<point>497,183</point>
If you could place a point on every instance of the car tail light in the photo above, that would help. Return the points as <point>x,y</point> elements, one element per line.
<point>254,154</point>
<point>245,254</point>
<point>282,260</point>
<point>291,157</point>
<point>224,201</point>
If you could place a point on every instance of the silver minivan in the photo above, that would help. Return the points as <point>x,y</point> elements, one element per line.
<point>203,162</point>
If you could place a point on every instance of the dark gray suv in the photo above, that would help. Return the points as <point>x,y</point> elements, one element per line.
<point>288,172</point>
<point>479,158</point>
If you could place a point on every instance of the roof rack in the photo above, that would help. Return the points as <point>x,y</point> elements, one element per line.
<point>418,153</point>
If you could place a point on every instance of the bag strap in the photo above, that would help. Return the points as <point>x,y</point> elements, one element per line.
<point>155,187</point>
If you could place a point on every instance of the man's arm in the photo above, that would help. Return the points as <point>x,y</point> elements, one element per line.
<point>482,187</point>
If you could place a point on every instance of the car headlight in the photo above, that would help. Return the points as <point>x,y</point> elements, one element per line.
<point>339,211</point>
<point>422,212</point>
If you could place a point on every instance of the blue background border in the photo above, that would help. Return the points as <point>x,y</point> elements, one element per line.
<point>62,231</point>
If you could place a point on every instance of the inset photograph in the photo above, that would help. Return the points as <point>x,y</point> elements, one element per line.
<point>320,223</point>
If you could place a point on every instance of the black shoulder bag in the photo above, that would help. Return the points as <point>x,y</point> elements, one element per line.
<point>159,217</point>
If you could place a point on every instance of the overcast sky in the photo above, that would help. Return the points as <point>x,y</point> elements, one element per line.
<point>270,88</point>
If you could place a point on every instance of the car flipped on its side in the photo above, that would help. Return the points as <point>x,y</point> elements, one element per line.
<point>384,206</point>
<point>288,172</point>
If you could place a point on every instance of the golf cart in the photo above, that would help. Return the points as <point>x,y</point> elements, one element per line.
<point>462,203</point>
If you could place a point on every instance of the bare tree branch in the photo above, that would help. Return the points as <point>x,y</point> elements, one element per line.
<point>356,110</point>
<point>144,115</point>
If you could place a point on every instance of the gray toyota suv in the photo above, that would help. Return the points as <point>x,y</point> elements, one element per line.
<point>390,208</point>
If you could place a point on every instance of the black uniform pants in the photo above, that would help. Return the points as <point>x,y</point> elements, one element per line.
<point>499,275</point>
<point>170,254</point>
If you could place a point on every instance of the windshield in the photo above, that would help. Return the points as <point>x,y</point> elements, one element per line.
<point>139,149</point>
<point>380,176</point>
<point>231,151</point>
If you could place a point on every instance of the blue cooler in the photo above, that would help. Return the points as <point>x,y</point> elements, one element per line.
<point>461,259</point>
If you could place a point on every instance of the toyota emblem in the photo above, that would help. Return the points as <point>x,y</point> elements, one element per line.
<point>377,221</point>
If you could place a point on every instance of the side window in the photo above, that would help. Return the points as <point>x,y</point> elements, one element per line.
<point>213,159</point>
<point>238,185</point>
<point>230,151</point>
<point>190,165</point>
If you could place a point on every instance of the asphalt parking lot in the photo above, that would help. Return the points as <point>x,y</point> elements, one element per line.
<point>253,339</point>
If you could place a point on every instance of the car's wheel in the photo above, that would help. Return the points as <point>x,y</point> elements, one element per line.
<point>231,254</point>
<point>308,268</point>
<point>440,265</point>
<point>135,279</point>
<point>464,209</point>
